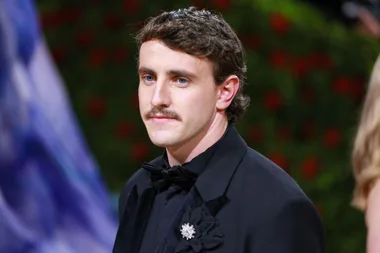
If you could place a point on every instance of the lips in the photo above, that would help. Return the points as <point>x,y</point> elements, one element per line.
<point>159,121</point>
<point>162,117</point>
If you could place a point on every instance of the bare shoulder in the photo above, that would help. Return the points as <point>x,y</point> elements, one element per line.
<point>372,215</point>
<point>373,209</point>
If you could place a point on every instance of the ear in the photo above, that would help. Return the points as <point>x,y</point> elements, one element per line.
<point>227,91</point>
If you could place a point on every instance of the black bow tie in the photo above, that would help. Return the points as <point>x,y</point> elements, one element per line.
<point>137,214</point>
<point>162,178</point>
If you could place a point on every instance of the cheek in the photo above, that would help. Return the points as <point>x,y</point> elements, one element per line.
<point>208,99</point>
<point>143,96</point>
<point>197,106</point>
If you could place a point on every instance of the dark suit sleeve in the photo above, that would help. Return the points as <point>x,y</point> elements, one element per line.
<point>123,198</point>
<point>129,191</point>
<point>295,228</point>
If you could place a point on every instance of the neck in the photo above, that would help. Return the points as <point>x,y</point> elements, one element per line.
<point>192,148</point>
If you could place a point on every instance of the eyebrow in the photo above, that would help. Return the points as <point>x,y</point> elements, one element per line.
<point>144,70</point>
<point>173,72</point>
<point>180,72</point>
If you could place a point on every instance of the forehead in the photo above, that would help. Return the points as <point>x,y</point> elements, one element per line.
<point>157,56</point>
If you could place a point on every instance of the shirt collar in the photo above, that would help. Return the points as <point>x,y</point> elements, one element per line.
<point>199,163</point>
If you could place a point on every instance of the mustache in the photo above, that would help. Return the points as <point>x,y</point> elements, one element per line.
<point>155,111</point>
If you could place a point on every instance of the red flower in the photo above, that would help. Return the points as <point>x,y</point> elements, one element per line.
<point>279,59</point>
<point>255,134</point>
<point>320,60</point>
<point>221,4</point>
<point>123,129</point>
<point>131,6</point>
<point>342,85</point>
<point>139,151</point>
<point>96,107</point>
<point>300,67</point>
<point>97,57</point>
<point>279,159</point>
<point>273,101</point>
<point>279,23</point>
<point>332,138</point>
<point>84,38</point>
<point>309,168</point>
<point>347,86</point>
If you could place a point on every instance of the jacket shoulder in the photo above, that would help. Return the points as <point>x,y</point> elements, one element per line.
<point>268,194</point>
<point>135,180</point>
<point>262,181</point>
<point>270,177</point>
<point>139,179</point>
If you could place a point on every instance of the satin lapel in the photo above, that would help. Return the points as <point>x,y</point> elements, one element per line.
<point>214,181</point>
<point>210,188</point>
<point>134,220</point>
<point>170,241</point>
<point>121,240</point>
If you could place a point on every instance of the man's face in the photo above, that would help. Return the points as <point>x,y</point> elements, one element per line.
<point>177,95</point>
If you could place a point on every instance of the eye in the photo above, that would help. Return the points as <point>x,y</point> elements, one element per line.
<point>181,81</point>
<point>148,78</point>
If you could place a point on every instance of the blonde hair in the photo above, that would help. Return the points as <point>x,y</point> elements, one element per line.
<point>366,150</point>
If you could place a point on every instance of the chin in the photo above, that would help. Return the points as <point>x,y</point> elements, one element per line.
<point>159,144</point>
<point>163,140</point>
<point>163,143</point>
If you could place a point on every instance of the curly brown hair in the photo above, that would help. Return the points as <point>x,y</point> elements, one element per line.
<point>204,34</point>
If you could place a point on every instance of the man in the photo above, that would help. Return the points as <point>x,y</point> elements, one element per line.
<point>208,192</point>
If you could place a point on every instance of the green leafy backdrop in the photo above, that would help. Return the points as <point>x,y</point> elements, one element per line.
<point>306,78</point>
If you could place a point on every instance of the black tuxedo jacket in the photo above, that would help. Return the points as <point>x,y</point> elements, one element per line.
<point>241,203</point>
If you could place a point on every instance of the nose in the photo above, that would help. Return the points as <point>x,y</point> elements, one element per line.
<point>161,95</point>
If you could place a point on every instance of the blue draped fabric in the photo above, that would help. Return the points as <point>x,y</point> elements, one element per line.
<point>52,197</point>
